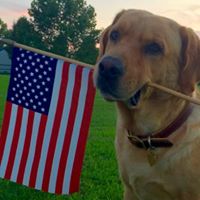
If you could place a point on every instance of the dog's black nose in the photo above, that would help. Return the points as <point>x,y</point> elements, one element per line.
<point>111,67</point>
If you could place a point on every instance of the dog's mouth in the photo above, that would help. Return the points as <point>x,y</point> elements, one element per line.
<point>134,100</point>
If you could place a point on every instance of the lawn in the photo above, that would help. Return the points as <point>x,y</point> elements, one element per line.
<point>99,180</point>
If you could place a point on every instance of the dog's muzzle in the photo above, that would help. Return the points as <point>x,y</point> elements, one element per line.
<point>110,70</point>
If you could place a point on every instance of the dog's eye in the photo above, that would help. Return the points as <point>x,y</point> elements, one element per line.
<point>153,48</point>
<point>114,36</point>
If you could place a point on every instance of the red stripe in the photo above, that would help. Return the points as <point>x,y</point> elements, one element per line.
<point>69,130</point>
<point>37,155</point>
<point>26,147</point>
<point>78,161</point>
<point>15,140</point>
<point>56,126</point>
<point>5,126</point>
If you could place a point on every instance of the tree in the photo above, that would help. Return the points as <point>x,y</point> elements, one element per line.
<point>67,27</point>
<point>87,51</point>
<point>4,33</point>
<point>23,32</point>
<point>3,29</point>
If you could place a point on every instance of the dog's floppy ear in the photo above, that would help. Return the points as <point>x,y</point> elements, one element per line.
<point>190,60</point>
<point>105,34</point>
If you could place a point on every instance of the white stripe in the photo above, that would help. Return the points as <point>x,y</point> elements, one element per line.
<point>63,126</point>
<point>9,140</point>
<point>76,131</point>
<point>31,154</point>
<point>20,145</point>
<point>49,125</point>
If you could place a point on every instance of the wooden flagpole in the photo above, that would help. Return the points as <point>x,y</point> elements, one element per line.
<point>175,93</point>
<point>150,84</point>
<point>13,43</point>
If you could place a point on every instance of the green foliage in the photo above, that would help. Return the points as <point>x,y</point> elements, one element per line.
<point>99,180</point>
<point>23,32</point>
<point>4,32</point>
<point>3,28</point>
<point>64,26</point>
<point>87,51</point>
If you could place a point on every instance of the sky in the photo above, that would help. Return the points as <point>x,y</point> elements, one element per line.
<point>185,12</point>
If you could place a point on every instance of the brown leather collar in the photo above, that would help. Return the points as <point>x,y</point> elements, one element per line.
<point>159,139</point>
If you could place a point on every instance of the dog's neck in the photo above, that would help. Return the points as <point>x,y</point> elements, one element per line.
<point>151,116</point>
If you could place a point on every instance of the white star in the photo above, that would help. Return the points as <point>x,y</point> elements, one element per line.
<point>20,65</point>
<point>43,83</point>
<point>31,100</point>
<point>16,69</point>
<point>28,94</point>
<point>28,67</point>
<point>18,58</point>
<point>25,61</point>
<point>18,85</point>
<point>27,104</point>
<point>30,84</point>
<point>32,74</point>
<point>33,63</point>
<point>34,106</point>
<point>44,99</point>
<point>34,80</point>
<point>17,95</point>
<point>48,79</point>
<point>15,79</point>
<point>39,103</point>
<point>36,70</point>
<point>51,59</point>
<point>38,86</point>
<point>41,93</point>
<point>14,89</point>
<point>45,73</point>
<point>26,77</point>
<point>25,88</point>
<point>40,76</point>
<point>41,66</point>
<point>22,55</point>
<point>23,71</point>
<point>24,98</point>
<point>20,91</point>
<point>46,89</point>
<point>49,69</point>
<point>22,81</point>
<point>42,109</point>
<point>38,60</point>
<point>46,62</point>
<point>36,96</point>
<point>30,57</point>
<point>19,75</point>
<point>19,101</point>
<point>12,98</point>
<point>32,90</point>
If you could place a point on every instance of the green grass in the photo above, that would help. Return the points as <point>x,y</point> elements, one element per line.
<point>99,180</point>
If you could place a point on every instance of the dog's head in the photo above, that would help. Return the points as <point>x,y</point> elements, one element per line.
<point>139,47</point>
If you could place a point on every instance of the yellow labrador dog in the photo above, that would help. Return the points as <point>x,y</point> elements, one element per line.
<point>158,135</point>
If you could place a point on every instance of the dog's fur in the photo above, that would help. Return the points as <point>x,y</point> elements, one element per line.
<point>176,174</point>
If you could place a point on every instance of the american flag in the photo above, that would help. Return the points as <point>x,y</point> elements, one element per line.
<point>46,122</point>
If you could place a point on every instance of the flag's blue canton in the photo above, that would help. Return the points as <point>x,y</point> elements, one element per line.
<point>31,80</point>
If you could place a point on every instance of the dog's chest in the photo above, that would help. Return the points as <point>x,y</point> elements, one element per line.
<point>173,176</point>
